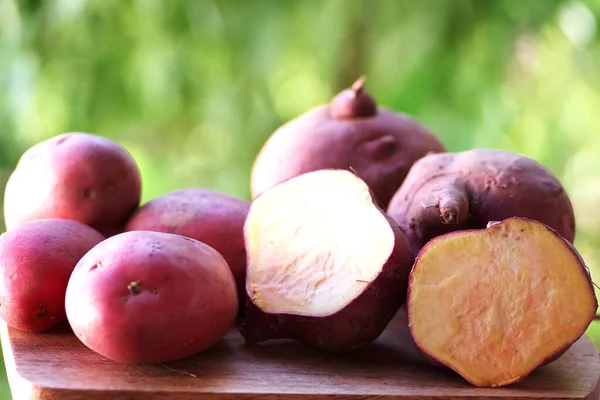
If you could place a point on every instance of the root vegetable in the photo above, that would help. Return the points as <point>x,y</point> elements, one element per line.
<point>211,217</point>
<point>326,266</point>
<point>454,191</point>
<point>77,176</point>
<point>494,304</point>
<point>351,133</point>
<point>36,262</point>
<point>146,297</point>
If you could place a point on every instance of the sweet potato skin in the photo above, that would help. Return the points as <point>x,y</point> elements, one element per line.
<point>142,297</point>
<point>36,261</point>
<point>78,176</point>
<point>379,149</point>
<point>551,357</point>
<point>489,185</point>
<point>356,325</point>
<point>208,216</point>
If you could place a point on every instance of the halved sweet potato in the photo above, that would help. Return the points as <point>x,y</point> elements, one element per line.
<point>326,266</point>
<point>494,304</point>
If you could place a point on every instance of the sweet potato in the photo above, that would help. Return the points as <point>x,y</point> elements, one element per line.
<point>36,261</point>
<point>326,266</point>
<point>211,217</point>
<point>352,132</point>
<point>142,297</point>
<point>454,191</point>
<point>496,303</point>
<point>77,176</point>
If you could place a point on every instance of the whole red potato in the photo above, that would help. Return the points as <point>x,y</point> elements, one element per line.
<point>78,176</point>
<point>211,217</point>
<point>36,261</point>
<point>141,297</point>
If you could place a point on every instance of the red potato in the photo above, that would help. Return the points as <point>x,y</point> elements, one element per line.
<point>36,261</point>
<point>494,304</point>
<point>211,217</point>
<point>454,191</point>
<point>352,133</point>
<point>78,176</point>
<point>326,266</point>
<point>143,297</point>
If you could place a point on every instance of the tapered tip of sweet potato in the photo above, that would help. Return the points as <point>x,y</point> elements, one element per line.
<point>496,303</point>
<point>354,102</point>
<point>314,244</point>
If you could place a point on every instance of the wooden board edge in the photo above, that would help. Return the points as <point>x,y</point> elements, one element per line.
<point>20,387</point>
<point>595,395</point>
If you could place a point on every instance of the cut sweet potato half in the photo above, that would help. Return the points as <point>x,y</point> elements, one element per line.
<point>325,260</point>
<point>494,304</point>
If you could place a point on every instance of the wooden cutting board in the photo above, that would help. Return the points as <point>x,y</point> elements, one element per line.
<point>55,365</point>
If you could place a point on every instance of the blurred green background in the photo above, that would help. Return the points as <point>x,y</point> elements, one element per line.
<point>194,88</point>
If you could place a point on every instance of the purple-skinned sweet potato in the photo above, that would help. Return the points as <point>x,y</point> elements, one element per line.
<point>466,190</point>
<point>211,217</point>
<point>326,266</point>
<point>147,297</point>
<point>36,262</point>
<point>352,132</point>
<point>494,304</point>
<point>77,176</point>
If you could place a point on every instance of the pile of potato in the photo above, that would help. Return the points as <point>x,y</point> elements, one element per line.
<point>136,284</point>
<point>168,279</point>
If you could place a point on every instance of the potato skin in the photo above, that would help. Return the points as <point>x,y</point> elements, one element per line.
<point>36,261</point>
<point>143,297</point>
<point>211,217</point>
<point>492,185</point>
<point>356,325</point>
<point>381,149</point>
<point>78,176</point>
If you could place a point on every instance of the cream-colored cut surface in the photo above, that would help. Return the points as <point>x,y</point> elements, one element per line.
<point>314,243</point>
<point>495,304</point>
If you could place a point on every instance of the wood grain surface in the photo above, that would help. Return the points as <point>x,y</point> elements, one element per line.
<point>55,365</point>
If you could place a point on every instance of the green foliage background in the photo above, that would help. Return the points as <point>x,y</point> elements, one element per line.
<point>193,88</point>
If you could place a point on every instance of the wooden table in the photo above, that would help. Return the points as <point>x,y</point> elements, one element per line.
<point>55,365</point>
